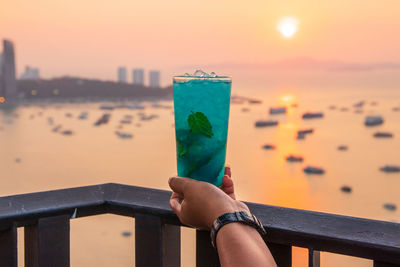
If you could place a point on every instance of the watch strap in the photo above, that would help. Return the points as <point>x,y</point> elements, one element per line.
<point>238,216</point>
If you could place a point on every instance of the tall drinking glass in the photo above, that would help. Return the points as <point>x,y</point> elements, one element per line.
<point>201,106</point>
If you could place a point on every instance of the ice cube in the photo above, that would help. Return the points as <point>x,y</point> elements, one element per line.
<point>199,73</point>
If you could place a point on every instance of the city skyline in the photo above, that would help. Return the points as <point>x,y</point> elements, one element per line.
<point>70,38</point>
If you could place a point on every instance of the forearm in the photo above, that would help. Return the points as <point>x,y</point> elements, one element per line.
<point>241,245</point>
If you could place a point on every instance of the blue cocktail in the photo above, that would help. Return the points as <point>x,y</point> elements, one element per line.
<point>201,104</point>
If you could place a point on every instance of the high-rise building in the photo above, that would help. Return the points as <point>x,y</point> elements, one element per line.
<point>154,78</point>
<point>138,76</point>
<point>8,82</point>
<point>122,74</point>
<point>30,74</point>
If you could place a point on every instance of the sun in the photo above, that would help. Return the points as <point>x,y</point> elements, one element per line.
<point>287,26</point>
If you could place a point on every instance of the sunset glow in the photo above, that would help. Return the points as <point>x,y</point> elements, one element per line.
<point>287,27</point>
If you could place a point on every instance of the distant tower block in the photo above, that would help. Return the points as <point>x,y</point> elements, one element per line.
<point>30,74</point>
<point>138,76</point>
<point>154,77</point>
<point>122,74</point>
<point>8,83</point>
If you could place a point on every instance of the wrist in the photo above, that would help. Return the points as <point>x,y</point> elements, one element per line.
<point>242,217</point>
<point>232,207</point>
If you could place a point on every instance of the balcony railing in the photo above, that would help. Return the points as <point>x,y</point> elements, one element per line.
<point>46,217</point>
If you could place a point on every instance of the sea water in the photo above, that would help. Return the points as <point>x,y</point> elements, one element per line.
<point>201,106</point>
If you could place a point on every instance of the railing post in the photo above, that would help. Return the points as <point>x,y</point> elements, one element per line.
<point>384,264</point>
<point>8,247</point>
<point>156,244</point>
<point>206,255</point>
<point>47,243</point>
<point>314,258</point>
<point>282,254</point>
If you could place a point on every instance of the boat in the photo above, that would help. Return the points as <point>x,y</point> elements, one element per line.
<point>126,233</point>
<point>254,101</point>
<point>344,109</point>
<point>277,110</point>
<point>373,120</point>
<point>157,105</point>
<point>390,168</point>
<point>124,135</point>
<point>294,158</point>
<point>134,106</point>
<point>57,128</point>
<point>346,189</point>
<point>68,115</point>
<point>383,135</point>
<point>332,107</point>
<point>343,148</point>
<point>103,119</point>
<point>396,109</point>
<point>313,170</point>
<point>237,99</point>
<point>266,123</point>
<point>145,117</point>
<point>359,104</point>
<point>106,107</point>
<point>125,121</point>
<point>313,115</point>
<point>305,131</point>
<point>300,136</point>
<point>390,206</point>
<point>269,147</point>
<point>245,110</point>
<point>67,132</point>
<point>83,116</point>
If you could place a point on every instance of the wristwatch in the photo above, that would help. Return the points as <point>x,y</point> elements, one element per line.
<point>238,216</point>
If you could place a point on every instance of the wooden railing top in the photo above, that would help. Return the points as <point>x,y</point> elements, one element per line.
<point>358,237</point>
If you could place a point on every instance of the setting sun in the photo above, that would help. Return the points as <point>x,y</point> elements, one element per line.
<point>287,26</point>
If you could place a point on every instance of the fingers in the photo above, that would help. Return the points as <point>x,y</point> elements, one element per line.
<point>176,206</point>
<point>228,171</point>
<point>178,184</point>
<point>227,187</point>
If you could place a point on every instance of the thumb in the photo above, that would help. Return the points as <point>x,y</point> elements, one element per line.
<point>178,184</point>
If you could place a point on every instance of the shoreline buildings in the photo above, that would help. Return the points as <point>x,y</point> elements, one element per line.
<point>122,75</point>
<point>8,83</point>
<point>30,74</point>
<point>154,78</point>
<point>138,76</point>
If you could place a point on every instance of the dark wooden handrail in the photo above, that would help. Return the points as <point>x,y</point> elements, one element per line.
<point>46,215</point>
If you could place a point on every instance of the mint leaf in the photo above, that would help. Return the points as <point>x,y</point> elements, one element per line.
<point>199,123</point>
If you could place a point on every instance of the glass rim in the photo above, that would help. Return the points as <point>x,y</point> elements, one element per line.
<point>191,77</point>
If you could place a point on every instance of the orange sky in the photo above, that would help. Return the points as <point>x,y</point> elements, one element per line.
<point>91,38</point>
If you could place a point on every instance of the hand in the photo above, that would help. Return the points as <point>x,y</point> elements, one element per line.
<point>198,204</point>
